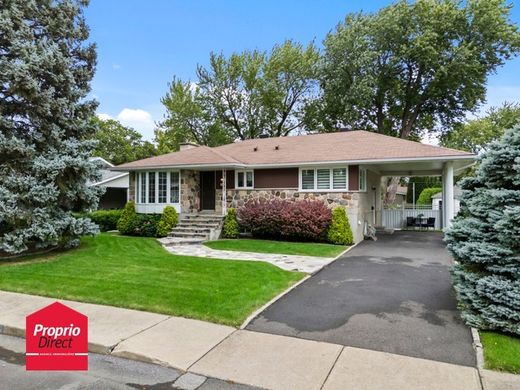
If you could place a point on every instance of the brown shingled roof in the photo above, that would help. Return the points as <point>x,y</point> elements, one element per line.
<point>346,146</point>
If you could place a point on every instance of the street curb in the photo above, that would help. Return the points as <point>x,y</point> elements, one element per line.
<point>266,305</point>
<point>479,349</point>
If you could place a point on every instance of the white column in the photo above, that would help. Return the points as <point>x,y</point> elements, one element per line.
<point>447,179</point>
<point>224,192</point>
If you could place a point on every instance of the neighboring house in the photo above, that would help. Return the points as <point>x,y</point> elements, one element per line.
<point>116,184</point>
<point>437,200</point>
<point>342,169</point>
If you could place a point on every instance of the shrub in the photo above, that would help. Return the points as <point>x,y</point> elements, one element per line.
<point>106,219</point>
<point>123,224</point>
<point>168,221</point>
<point>230,228</point>
<point>484,240</point>
<point>303,220</point>
<point>426,195</point>
<point>340,232</point>
<point>143,225</point>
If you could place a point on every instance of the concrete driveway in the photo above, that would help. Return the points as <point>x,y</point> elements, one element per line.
<point>392,295</point>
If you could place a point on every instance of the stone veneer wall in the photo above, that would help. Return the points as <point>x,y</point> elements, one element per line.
<point>190,191</point>
<point>131,186</point>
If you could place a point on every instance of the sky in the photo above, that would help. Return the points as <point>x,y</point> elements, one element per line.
<point>142,45</point>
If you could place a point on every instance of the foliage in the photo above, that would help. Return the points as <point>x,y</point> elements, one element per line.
<point>137,273</point>
<point>339,232</point>
<point>169,219</point>
<point>425,198</point>
<point>143,225</point>
<point>484,239</point>
<point>105,219</point>
<point>45,71</point>
<point>420,183</point>
<point>119,144</point>
<point>412,66</point>
<point>123,224</point>
<point>242,96</point>
<point>474,135</point>
<point>230,229</point>
<point>283,247</point>
<point>501,351</point>
<point>282,219</point>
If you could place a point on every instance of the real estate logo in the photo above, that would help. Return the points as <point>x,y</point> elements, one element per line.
<point>56,339</point>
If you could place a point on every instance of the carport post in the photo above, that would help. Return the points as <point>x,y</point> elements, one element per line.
<point>447,183</point>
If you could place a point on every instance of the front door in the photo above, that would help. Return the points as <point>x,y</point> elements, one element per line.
<point>207,190</point>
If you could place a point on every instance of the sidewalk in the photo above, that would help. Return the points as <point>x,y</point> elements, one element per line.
<point>252,358</point>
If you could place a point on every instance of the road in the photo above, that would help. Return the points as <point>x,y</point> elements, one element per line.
<point>105,372</point>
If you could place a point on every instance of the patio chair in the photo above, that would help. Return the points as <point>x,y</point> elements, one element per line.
<point>410,222</point>
<point>430,223</point>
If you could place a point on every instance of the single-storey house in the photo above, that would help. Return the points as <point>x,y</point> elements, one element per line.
<point>115,184</point>
<point>342,169</point>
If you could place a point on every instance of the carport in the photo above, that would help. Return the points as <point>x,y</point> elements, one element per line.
<point>446,167</point>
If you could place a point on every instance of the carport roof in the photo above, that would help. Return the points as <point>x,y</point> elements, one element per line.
<point>359,147</point>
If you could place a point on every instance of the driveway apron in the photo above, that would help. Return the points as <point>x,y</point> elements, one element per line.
<point>392,295</point>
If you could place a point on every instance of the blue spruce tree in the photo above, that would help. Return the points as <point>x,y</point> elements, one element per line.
<point>485,240</point>
<point>45,71</point>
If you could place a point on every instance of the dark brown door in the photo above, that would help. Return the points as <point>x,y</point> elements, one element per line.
<point>207,190</point>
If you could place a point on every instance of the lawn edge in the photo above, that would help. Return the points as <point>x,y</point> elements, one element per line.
<point>479,348</point>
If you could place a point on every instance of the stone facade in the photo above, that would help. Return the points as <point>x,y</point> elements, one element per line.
<point>190,191</point>
<point>131,186</point>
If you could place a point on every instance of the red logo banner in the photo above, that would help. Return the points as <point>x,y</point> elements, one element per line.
<point>56,339</point>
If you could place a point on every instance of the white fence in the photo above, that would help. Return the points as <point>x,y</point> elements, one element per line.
<point>396,218</point>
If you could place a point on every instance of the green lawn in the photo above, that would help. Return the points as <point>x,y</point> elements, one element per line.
<point>138,273</point>
<point>501,352</point>
<point>283,247</point>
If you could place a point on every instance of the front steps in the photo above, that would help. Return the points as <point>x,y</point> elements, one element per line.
<point>194,229</point>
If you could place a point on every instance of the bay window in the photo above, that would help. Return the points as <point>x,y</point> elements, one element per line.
<point>323,179</point>
<point>157,187</point>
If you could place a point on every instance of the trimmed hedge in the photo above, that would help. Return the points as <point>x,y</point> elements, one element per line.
<point>340,232</point>
<point>168,221</point>
<point>304,220</point>
<point>133,224</point>
<point>106,219</point>
<point>231,229</point>
<point>426,195</point>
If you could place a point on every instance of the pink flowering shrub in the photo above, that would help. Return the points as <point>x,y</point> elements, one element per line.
<point>285,220</point>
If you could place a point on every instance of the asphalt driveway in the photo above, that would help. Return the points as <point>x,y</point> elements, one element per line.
<point>392,295</point>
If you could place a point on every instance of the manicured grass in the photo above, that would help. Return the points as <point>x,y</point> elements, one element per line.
<point>501,352</point>
<point>138,273</point>
<point>283,247</point>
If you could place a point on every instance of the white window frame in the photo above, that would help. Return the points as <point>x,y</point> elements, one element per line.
<point>360,187</point>
<point>245,171</point>
<point>331,180</point>
<point>148,205</point>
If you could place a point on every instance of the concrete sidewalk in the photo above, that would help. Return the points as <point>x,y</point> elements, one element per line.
<point>247,357</point>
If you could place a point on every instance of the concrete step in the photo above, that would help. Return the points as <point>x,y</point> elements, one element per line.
<point>198,224</point>
<point>191,229</point>
<point>172,241</point>
<point>201,218</point>
<point>189,235</point>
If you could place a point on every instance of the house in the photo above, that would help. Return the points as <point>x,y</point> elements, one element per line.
<point>342,169</point>
<point>437,200</point>
<point>116,184</point>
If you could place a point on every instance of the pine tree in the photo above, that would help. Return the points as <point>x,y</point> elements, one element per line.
<point>45,71</point>
<point>485,239</point>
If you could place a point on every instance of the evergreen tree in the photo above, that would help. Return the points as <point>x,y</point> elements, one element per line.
<point>485,239</point>
<point>45,71</point>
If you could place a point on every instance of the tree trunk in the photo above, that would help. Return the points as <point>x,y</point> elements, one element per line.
<point>391,190</point>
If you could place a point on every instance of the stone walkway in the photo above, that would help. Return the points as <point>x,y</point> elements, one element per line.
<point>307,264</point>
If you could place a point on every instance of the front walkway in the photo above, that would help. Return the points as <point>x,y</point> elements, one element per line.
<point>307,264</point>
<point>242,356</point>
